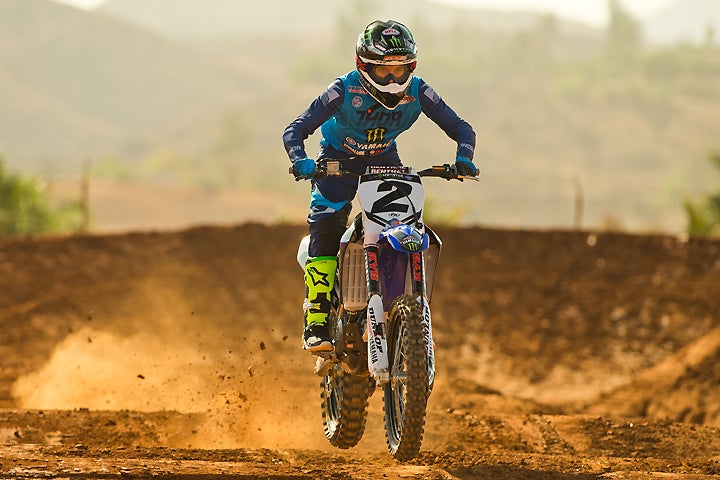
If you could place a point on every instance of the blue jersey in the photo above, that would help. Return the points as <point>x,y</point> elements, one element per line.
<point>351,120</point>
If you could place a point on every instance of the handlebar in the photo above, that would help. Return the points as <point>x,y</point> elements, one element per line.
<point>334,168</point>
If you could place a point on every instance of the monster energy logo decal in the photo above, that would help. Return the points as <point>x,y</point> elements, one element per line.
<point>395,41</point>
<point>376,134</point>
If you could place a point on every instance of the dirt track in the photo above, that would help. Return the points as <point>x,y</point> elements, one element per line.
<point>567,355</point>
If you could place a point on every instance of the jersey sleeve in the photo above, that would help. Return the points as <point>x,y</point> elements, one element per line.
<point>320,110</point>
<point>445,117</point>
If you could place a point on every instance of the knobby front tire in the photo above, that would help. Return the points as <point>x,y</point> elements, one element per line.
<point>405,396</point>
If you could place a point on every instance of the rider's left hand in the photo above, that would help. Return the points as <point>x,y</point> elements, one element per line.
<point>466,168</point>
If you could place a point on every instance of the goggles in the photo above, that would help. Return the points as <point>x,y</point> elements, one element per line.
<point>384,74</point>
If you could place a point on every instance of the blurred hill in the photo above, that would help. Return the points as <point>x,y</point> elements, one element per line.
<point>188,94</point>
<point>232,18</point>
<point>75,85</point>
<point>684,20</point>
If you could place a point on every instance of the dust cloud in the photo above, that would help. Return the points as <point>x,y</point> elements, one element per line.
<point>101,371</point>
<point>250,387</point>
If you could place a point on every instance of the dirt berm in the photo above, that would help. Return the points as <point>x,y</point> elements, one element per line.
<point>175,354</point>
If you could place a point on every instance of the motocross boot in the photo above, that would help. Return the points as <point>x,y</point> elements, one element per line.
<point>319,282</point>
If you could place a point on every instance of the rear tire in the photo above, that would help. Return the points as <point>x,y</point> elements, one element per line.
<point>344,407</point>
<point>405,396</point>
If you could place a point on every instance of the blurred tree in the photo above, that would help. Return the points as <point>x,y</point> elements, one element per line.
<point>624,34</point>
<point>710,36</point>
<point>25,209</point>
<point>704,216</point>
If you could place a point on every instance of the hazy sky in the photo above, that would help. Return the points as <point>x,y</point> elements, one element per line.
<point>589,11</point>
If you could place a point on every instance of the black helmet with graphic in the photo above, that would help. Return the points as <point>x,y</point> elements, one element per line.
<point>386,56</point>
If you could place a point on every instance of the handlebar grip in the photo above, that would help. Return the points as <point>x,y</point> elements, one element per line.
<point>291,171</point>
<point>446,171</point>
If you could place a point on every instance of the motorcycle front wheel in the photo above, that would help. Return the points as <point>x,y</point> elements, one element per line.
<point>405,395</point>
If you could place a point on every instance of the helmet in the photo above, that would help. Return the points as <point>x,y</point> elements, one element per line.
<point>386,58</point>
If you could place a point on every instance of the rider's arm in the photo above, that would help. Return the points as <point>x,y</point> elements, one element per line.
<point>321,109</point>
<point>445,117</point>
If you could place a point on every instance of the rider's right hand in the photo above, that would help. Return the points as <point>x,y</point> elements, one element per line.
<point>303,168</point>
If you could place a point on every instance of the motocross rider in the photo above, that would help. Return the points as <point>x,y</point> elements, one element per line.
<point>360,114</point>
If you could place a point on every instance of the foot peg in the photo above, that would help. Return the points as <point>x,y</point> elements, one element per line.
<point>324,363</point>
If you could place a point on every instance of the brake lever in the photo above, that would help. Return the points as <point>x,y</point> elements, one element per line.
<point>468,177</point>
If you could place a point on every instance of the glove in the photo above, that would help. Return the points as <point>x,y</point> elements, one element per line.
<point>466,168</point>
<point>303,168</point>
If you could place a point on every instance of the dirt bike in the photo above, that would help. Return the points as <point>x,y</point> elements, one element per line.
<point>380,309</point>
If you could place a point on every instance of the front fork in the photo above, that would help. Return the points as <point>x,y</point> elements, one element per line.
<point>376,322</point>
<point>378,358</point>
